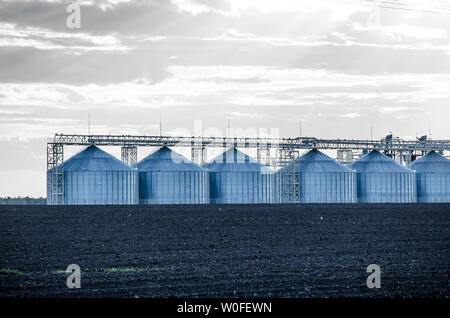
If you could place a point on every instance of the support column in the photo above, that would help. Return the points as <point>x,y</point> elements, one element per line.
<point>289,185</point>
<point>286,155</point>
<point>288,182</point>
<point>198,154</point>
<point>293,184</point>
<point>408,158</point>
<point>345,156</point>
<point>129,154</point>
<point>55,174</point>
<point>263,155</point>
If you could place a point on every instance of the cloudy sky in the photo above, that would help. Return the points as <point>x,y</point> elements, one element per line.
<point>263,64</point>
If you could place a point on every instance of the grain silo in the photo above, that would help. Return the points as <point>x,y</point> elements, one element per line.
<point>237,178</point>
<point>433,178</point>
<point>383,180</point>
<point>95,177</point>
<point>317,178</point>
<point>166,177</point>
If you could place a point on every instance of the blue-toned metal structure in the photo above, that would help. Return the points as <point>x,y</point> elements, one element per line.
<point>381,179</point>
<point>316,178</point>
<point>95,177</point>
<point>287,185</point>
<point>166,177</point>
<point>237,178</point>
<point>433,178</point>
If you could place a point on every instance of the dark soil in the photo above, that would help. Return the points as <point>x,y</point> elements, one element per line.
<point>226,251</point>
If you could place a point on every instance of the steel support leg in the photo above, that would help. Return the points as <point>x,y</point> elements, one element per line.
<point>129,155</point>
<point>55,174</point>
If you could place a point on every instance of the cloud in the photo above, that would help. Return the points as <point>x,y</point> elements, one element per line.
<point>237,85</point>
<point>350,115</point>
<point>245,115</point>
<point>397,109</point>
<point>195,7</point>
<point>263,63</point>
<point>416,32</point>
<point>42,39</point>
<point>128,41</point>
<point>100,67</point>
<point>13,112</point>
<point>213,91</point>
<point>403,30</point>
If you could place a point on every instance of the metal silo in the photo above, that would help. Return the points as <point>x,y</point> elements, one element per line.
<point>433,178</point>
<point>383,180</point>
<point>237,178</point>
<point>166,177</point>
<point>317,178</point>
<point>95,177</point>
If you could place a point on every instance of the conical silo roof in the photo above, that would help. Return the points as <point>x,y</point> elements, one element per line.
<point>235,160</point>
<point>375,161</point>
<point>165,159</point>
<point>93,158</point>
<point>432,162</point>
<point>316,161</point>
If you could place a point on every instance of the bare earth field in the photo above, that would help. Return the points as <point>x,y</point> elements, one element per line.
<point>225,250</point>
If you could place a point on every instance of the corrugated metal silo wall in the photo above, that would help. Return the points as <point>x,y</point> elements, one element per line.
<point>278,181</point>
<point>177,187</point>
<point>328,187</point>
<point>242,187</point>
<point>433,187</point>
<point>386,187</point>
<point>101,187</point>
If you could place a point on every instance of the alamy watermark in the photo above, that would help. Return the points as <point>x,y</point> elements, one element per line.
<point>74,19</point>
<point>374,279</point>
<point>373,20</point>
<point>74,279</point>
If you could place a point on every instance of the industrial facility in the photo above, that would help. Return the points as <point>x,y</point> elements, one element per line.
<point>365,171</point>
